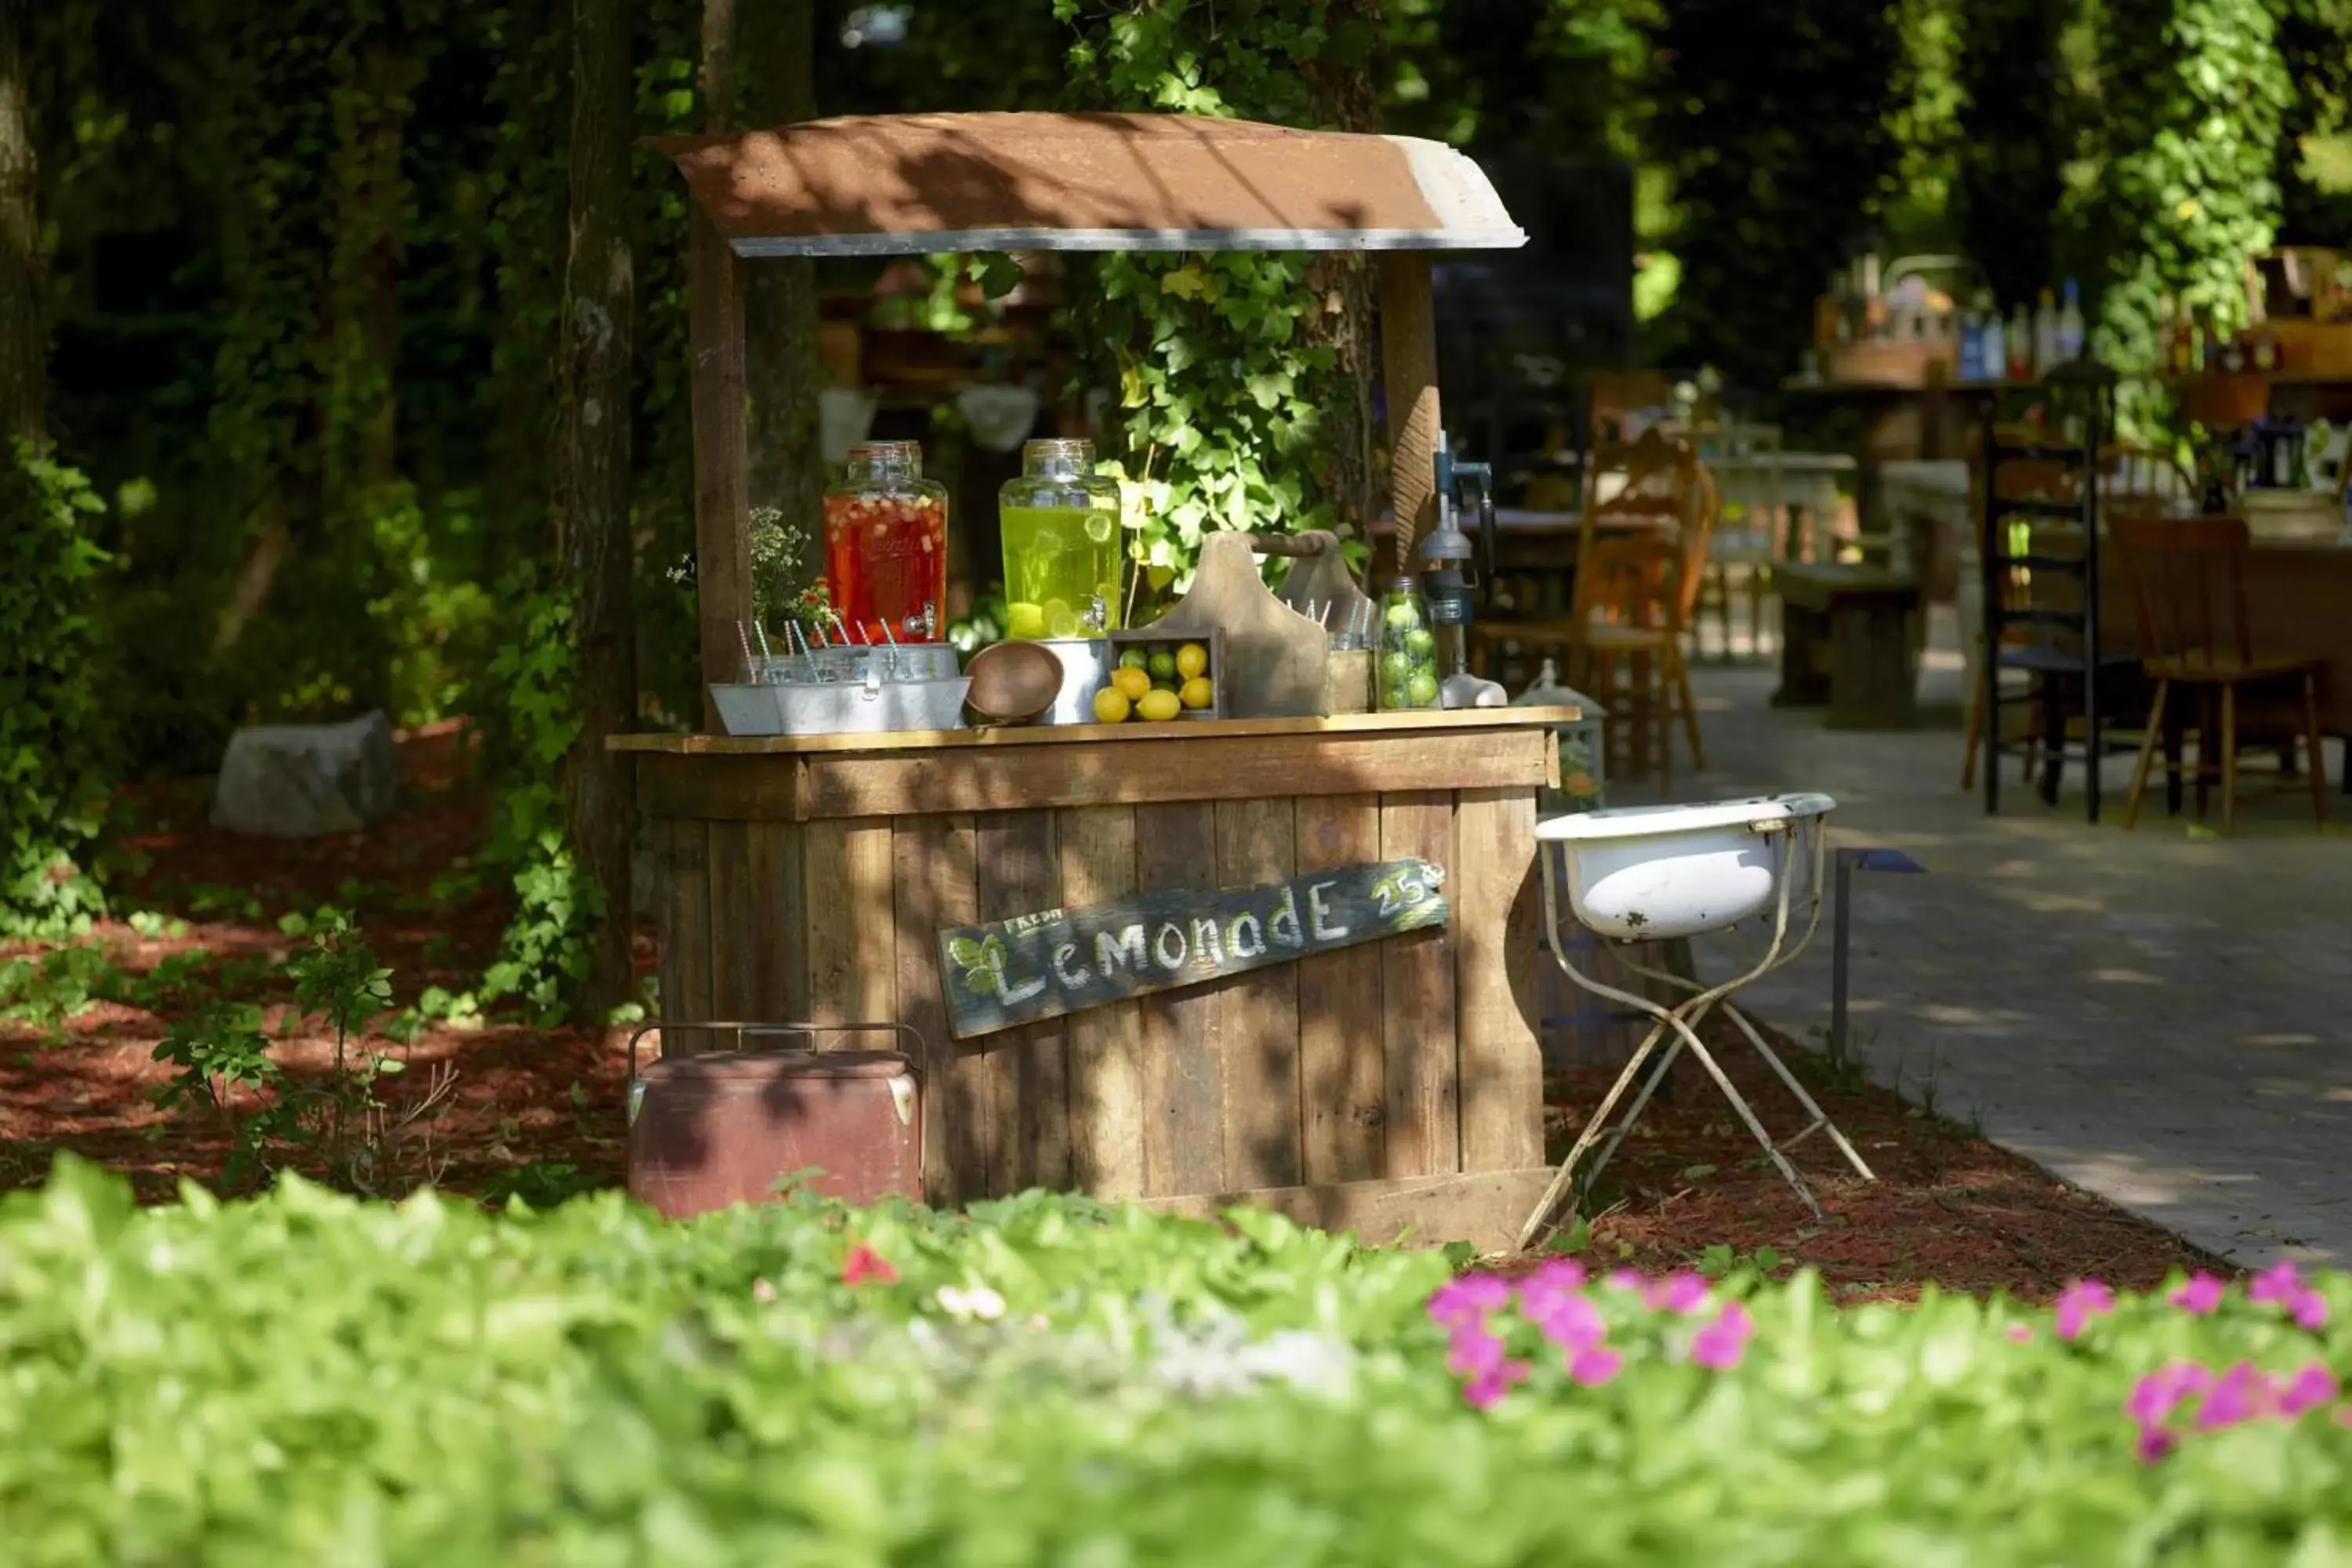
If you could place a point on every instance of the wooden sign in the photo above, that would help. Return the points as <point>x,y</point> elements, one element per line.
<point>1043,965</point>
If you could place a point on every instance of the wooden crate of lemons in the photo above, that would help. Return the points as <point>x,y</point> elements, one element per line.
<point>1158,678</point>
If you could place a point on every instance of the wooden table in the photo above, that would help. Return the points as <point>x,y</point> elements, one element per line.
<point>2299,600</point>
<point>1379,1088</point>
<point>1846,640</point>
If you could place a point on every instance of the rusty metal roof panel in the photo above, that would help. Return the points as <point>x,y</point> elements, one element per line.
<point>897,185</point>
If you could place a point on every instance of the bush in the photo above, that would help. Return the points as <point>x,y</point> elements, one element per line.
<point>306,1378</point>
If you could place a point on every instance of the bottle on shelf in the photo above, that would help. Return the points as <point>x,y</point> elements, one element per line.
<point>2266,350</point>
<point>2045,334</point>
<point>2070,326</point>
<point>1992,352</point>
<point>2019,340</point>
<point>1874,313</point>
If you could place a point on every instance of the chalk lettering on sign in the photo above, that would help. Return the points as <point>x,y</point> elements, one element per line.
<point>1245,929</point>
<point>1015,971</point>
<point>1324,929</point>
<point>1126,948</point>
<point>1285,924</point>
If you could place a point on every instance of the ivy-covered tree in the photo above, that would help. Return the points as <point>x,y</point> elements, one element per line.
<point>1773,121</point>
<point>2315,40</point>
<point>2193,98</point>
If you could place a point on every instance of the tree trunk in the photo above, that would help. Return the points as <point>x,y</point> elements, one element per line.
<point>777,48</point>
<point>593,482</point>
<point>24,342</point>
<point>1343,99</point>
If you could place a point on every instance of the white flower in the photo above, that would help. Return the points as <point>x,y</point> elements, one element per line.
<point>980,1302</point>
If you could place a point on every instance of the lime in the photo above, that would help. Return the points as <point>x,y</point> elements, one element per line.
<point>1159,706</point>
<point>1025,621</point>
<point>1191,659</point>
<point>1396,666</point>
<point>1420,640</point>
<point>1422,690</point>
<point>1110,706</point>
<point>1100,526</point>
<point>1164,666</point>
<point>1402,615</point>
<point>1134,659</point>
<point>1061,621</point>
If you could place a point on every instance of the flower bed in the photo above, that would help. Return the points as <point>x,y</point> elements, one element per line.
<point>308,1379</point>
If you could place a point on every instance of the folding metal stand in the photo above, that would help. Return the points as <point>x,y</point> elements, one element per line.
<point>1683,1019</point>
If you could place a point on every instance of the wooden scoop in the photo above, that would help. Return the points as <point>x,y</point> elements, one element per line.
<point>1012,683</point>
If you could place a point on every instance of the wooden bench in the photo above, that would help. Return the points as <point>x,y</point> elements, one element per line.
<point>1847,642</point>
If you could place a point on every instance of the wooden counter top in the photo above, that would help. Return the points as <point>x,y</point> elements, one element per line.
<point>1073,734</point>
<point>813,777</point>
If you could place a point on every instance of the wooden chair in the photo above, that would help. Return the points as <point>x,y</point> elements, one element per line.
<point>2187,577</point>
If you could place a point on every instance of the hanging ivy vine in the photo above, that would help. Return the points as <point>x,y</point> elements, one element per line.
<point>1220,391</point>
<point>54,756</point>
<point>2194,98</point>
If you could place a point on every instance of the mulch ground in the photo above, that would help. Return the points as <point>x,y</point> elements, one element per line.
<point>545,1106</point>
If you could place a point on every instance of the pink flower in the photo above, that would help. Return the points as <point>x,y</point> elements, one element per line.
<point>1556,1274</point>
<point>1571,1323</point>
<point>2200,1295</point>
<point>1469,1299</point>
<point>2154,1443</point>
<point>865,1265</point>
<point>1681,1293</point>
<point>1473,1351</point>
<point>2153,1396</point>
<point>762,1291</point>
<point>2313,1386</point>
<point>2079,1303</point>
<point>2239,1395</point>
<point>1720,1345</point>
<point>2281,1283</point>
<point>1624,1279</point>
<point>1487,1387</point>
<point>1595,1365</point>
<point>2020,1333</point>
<point>2310,1311</point>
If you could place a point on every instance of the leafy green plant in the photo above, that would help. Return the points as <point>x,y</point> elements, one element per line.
<point>56,751</point>
<point>222,1058</point>
<point>59,985</point>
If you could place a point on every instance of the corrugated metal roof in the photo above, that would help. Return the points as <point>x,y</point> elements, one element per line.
<point>898,184</point>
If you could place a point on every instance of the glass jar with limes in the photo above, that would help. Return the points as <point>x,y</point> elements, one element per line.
<point>1405,674</point>
<point>1062,546</point>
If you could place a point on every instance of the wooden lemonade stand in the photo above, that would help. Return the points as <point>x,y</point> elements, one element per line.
<point>1361,1054</point>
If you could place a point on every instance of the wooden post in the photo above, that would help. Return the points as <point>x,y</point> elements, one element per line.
<point>722,546</point>
<point>1409,371</point>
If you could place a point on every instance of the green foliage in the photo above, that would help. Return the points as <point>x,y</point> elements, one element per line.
<point>543,955</point>
<point>304,1378</point>
<point>2015,134</point>
<point>2315,40</point>
<point>1774,122</point>
<point>1221,385</point>
<point>2194,95</point>
<point>55,749</point>
<point>1492,75</point>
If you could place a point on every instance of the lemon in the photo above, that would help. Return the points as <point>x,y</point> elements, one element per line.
<point>1191,659</point>
<point>1130,684</point>
<point>1110,706</point>
<point>1197,692</point>
<point>1026,621</point>
<point>1157,706</point>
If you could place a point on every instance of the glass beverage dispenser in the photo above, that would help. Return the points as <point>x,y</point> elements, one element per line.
<point>1062,545</point>
<point>885,545</point>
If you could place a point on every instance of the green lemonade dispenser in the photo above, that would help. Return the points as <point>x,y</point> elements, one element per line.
<point>1062,545</point>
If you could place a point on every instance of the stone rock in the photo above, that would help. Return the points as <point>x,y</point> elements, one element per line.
<point>299,781</point>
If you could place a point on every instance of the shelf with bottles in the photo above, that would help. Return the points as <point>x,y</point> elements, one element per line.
<point>1902,330</point>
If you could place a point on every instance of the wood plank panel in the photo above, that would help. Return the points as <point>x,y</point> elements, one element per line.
<point>779,951</point>
<point>1484,1209</point>
<point>933,861</point>
<point>1496,927</point>
<point>845,870</point>
<point>1106,1043</point>
<point>735,919</point>
<point>1020,873</point>
<point>792,787</point>
<point>684,930</point>
<point>1342,1076</point>
<point>1184,1047</point>
<point>1256,846</point>
<point>1417,1011</point>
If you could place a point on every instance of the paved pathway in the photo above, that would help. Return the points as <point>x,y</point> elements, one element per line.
<point>2164,1020</point>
